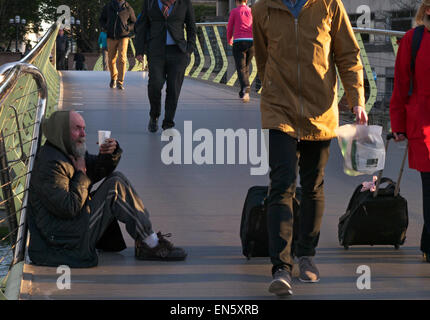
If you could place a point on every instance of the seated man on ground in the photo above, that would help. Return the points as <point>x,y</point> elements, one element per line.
<point>67,223</point>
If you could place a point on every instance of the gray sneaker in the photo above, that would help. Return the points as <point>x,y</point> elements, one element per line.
<point>308,270</point>
<point>281,283</point>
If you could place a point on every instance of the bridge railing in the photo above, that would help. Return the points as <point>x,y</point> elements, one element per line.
<point>213,61</point>
<point>24,89</point>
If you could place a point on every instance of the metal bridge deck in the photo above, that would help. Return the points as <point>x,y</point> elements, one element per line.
<point>202,205</point>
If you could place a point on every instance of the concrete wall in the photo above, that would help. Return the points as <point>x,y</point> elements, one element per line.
<point>378,5</point>
<point>350,5</point>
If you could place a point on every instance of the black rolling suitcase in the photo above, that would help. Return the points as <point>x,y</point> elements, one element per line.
<point>253,226</point>
<point>376,218</point>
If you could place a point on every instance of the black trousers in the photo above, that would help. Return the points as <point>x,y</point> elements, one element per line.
<point>61,60</point>
<point>243,51</point>
<point>169,68</point>
<point>287,156</point>
<point>425,237</point>
<point>116,199</point>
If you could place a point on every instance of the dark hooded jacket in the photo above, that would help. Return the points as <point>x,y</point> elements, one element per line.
<point>58,211</point>
<point>117,19</point>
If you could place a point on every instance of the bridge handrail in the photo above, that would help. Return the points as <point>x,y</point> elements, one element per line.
<point>356,30</point>
<point>20,137</point>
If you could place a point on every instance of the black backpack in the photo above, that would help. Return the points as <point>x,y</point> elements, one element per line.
<point>416,43</point>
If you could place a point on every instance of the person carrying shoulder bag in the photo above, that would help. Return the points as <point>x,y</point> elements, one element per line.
<point>118,20</point>
<point>410,107</point>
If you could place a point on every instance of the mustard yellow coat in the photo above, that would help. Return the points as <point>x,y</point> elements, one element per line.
<point>296,61</point>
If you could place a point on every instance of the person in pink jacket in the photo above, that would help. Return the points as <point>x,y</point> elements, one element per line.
<point>239,28</point>
<point>410,110</point>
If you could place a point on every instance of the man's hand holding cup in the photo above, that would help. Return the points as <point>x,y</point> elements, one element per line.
<point>108,147</point>
<point>106,143</point>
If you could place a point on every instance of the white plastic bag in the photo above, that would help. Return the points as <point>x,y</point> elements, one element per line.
<point>362,148</point>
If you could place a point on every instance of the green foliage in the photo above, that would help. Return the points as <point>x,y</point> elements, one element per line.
<point>26,9</point>
<point>88,12</point>
<point>202,11</point>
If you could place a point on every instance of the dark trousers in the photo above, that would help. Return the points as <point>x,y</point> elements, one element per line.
<point>61,60</point>
<point>169,68</point>
<point>116,199</point>
<point>425,237</point>
<point>287,156</point>
<point>243,51</point>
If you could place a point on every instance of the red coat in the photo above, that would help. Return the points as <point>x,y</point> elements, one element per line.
<point>412,114</point>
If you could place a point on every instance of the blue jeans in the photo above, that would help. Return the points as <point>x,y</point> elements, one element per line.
<point>287,156</point>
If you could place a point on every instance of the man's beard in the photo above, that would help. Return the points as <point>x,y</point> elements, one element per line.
<point>79,148</point>
<point>426,21</point>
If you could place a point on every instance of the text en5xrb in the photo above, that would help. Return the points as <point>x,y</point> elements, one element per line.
<point>236,309</point>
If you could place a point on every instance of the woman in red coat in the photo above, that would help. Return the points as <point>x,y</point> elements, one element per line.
<point>410,114</point>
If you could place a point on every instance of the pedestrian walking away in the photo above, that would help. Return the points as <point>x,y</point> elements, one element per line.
<point>239,28</point>
<point>67,222</point>
<point>410,107</point>
<point>102,41</point>
<point>118,19</point>
<point>62,46</point>
<point>160,35</point>
<point>298,44</point>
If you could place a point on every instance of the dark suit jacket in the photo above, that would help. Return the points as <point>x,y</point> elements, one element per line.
<point>152,28</point>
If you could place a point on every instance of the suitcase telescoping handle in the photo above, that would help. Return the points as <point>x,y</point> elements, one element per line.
<point>378,181</point>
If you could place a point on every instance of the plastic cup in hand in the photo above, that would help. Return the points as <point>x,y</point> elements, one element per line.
<point>103,136</point>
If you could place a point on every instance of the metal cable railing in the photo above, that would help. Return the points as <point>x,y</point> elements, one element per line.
<point>24,89</point>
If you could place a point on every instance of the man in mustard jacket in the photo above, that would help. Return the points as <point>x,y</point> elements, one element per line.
<point>298,44</point>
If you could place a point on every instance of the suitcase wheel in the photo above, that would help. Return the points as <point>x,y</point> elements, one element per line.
<point>346,247</point>
<point>396,247</point>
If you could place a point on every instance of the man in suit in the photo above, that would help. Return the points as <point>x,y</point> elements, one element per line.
<point>160,35</point>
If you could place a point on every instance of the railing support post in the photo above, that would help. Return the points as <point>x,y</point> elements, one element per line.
<point>6,182</point>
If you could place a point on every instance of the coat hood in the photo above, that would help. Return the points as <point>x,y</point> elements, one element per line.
<point>57,131</point>
<point>117,5</point>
